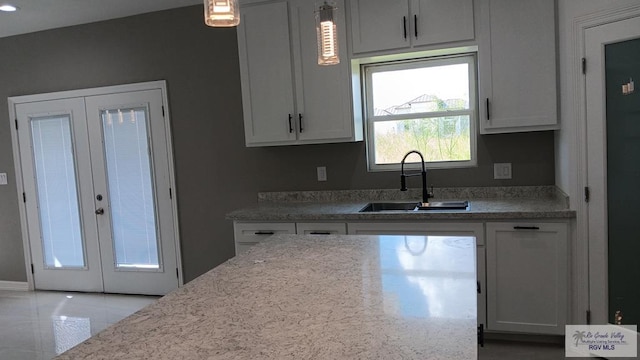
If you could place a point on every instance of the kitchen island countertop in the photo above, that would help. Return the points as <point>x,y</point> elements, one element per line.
<point>308,297</point>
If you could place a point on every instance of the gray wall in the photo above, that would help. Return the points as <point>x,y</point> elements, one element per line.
<point>215,173</point>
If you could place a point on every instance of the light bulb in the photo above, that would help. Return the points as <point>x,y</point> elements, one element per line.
<point>221,13</point>
<point>327,36</point>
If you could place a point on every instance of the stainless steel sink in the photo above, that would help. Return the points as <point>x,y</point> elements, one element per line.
<point>444,205</point>
<point>415,206</point>
<point>390,206</point>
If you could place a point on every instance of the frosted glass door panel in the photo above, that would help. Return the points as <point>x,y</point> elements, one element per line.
<point>55,172</point>
<point>129,179</point>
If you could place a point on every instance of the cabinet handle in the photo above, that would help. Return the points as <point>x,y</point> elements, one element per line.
<point>481,335</point>
<point>319,233</point>
<point>479,288</point>
<point>488,111</point>
<point>290,125</point>
<point>300,122</point>
<point>415,25</point>
<point>526,228</point>
<point>264,233</point>
<point>404,26</point>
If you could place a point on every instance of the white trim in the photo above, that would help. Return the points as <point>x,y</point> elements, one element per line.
<point>370,118</point>
<point>583,289</point>
<point>14,100</point>
<point>172,181</point>
<point>158,84</point>
<point>14,285</point>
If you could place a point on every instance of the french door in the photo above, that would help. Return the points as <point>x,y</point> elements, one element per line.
<point>96,173</point>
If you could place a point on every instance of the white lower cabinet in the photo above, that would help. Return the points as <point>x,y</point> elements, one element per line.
<point>475,229</point>
<point>527,276</point>
<point>249,234</point>
<point>522,267</point>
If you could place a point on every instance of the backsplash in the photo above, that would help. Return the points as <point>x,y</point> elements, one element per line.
<point>450,193</point>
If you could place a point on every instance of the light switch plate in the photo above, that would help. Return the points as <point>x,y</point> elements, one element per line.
<point>322,173</point>
<point>502,171</point>
<point>3,178</point>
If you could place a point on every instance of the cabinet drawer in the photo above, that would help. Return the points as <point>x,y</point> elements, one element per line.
<point>248,234</point>
<point>420,228</point>
<point>321,228</point>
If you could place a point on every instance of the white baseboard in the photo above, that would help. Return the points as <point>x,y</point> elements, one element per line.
<point>14,285</point>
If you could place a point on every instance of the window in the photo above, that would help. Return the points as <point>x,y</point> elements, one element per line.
<point>427,105</point>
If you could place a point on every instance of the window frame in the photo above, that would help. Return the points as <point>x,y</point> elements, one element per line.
<point>370,119</point>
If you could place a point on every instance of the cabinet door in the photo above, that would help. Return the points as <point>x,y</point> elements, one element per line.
<point>437,21</point>
<point>266,73</point>
<point>527,277</point>
<point>517,60</point>
<point>323,97</point>
<point>379,25</point>
<point>249,234</point>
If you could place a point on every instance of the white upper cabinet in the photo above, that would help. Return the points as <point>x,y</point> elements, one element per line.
<point>383,25</point>
<point>287,97</point>
<point>517,61</point>
<point>265,72</point>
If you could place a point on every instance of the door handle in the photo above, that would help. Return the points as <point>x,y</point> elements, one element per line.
<point>99,211</point>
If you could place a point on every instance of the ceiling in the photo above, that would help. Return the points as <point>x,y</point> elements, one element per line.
<point>37,15</point>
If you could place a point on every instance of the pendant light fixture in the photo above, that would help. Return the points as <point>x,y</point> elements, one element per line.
<point>221,13</point>
<point>327,34</point>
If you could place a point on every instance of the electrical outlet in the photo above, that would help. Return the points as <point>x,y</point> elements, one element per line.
<point>3,178</point>
<point>502,171</point>
<point>322,173</point>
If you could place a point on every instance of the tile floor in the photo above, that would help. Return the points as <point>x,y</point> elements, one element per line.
<point>503,350</point>
<point>42,324</point>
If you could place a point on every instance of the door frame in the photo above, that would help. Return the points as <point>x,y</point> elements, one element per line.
<point>151,85</point>
<point>590,292</point>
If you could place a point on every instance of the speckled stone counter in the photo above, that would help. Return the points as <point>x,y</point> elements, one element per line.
<point>307,297</point>
<point>534,202</point>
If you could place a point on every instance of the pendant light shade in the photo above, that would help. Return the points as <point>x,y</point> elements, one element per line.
<point>221,13</point>
<point>327,35</point>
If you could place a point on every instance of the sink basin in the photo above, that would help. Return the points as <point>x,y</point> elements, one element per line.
<point>444,205</point>
<point>390,206</point>
<point>413,206</point>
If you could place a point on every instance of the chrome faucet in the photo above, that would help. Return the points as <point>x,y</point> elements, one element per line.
<point>403,177</point>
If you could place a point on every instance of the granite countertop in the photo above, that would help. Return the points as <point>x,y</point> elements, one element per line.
<point>306,297</point>
<point>484,204</point>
